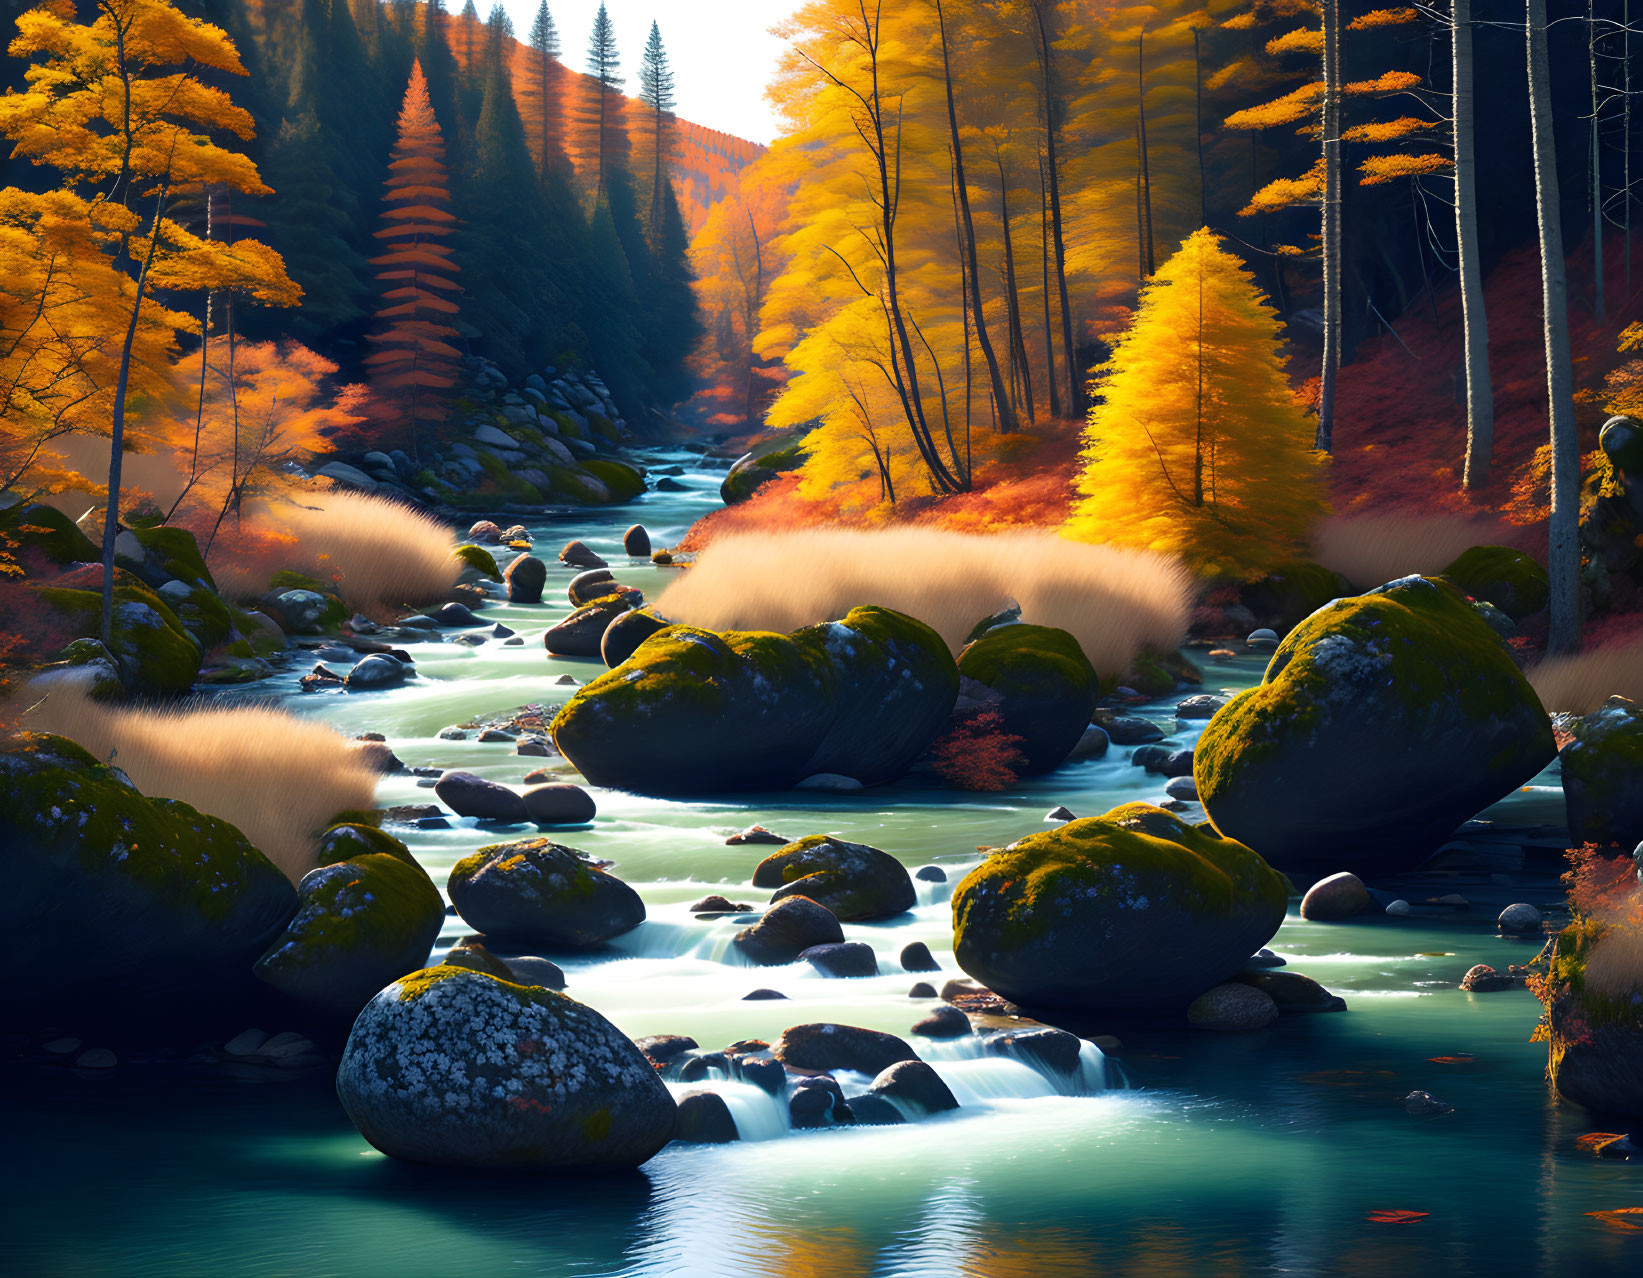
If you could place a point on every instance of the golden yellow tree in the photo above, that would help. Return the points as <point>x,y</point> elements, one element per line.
<point>114,107</point>
<point>1198,447</point>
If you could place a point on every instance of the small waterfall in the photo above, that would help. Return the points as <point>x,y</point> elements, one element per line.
<point>757,1114</point>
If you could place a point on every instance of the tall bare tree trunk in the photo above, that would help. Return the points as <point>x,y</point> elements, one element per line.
<point>1046,68</point>
<point>1198,128</point>
<point>1151,256</point>
<point>1325,438</point>
<point>1018,343</point>
<point>1597,168</point>
<point>1006,410</point>
<point>1480,397</point>
<point>1563,544</point>
<point>1044,261</point>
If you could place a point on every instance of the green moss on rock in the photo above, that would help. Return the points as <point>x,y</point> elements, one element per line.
<point>625,482</point>
<point>1382,722</point>
<point>157,656</point>
<point>42,532</point>
<point>853,880</point>
<point>536,894</point>
<point>177,553</point>
<point>1131,909</point>
<point>1046,687</point>
<point>1602,769</point>
<point>1511,580</point>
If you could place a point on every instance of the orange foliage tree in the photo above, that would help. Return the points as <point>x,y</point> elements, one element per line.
<point>112,105</point>
<point>413,363</point>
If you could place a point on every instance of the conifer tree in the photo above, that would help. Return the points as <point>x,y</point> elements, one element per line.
<point>1198,448</point>
<point>114,105</point>
<point>601,128</point>
<point>414,363</point>
<point>661,141</point>
<point>540,89</point>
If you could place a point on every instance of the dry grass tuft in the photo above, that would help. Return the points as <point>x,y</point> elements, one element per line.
<point>1114,601</point>
<point>277,778</point>
<point>1370,550</point>
<point>381,554</point>
<point>1583,682</point>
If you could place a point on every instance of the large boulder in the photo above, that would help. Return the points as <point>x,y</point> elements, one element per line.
<point>692,711</point>
<point>157,656</point>
<point>368,914</point>
<point>791,926</point>
<point>1593,1024</point>
<point>753,470</point>
<point>456,1067</point>
<point>468,795</point>
<point>1511,580</point>
<point>534,893</point>
<point>1602,770</point>
<point>41,535</point>
<point>1290,593</point>
<point>114,897</point>
<point>852,880</point>
<point>1044,687</point>
<point>1383,721</point>
<point>581,633</point>
<point>824,1045</point>
<point>1132,909</point>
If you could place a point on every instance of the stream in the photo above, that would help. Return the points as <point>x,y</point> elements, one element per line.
<point>1286,1150</point>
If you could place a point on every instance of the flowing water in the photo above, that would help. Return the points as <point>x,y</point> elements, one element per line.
<point>1282,1151</point>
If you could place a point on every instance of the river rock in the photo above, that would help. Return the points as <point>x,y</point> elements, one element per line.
<point>378,670</point>
<point>485,532</point>
<point>1042,684</point>
<point>1409,685</point>
<point>1519,919</point>
<point>559,803</point>
<point>693,712</point>
<point>579,556</point>
<point>367,914</point>
<point>1340,896</point>
<point>580,635</point>
<point>118,898</point>
<point>663,1048</point>
<point>1132,909</point>
<point>1043,1048</point>
<point>457,1068</point>
<point>533,969</point>
<point>636,542</point>
<point>456,616</point>
<point>916,957</point>
<point>1131,730</point>
<point>1202,706</point>
<point>788,928</point>
<point>468,795</point>
<point>827,1046</point>
<point>1182,788</point>
<point>756,834</point>
<point>1512,581</point>
<point>155,654</point>
<point>1293,992</point>
<point>536,893</point>
<point>1594,1018</point>
<point>585,587</point>
<point>818,1102</point>
<point>1602,770</point>
<point>945,1021</point>
<point>704,1119</point>
<point>1232,1008</point>
<point>624,635</point>
<point>856,882</point>
<point>1483,979</point>
<point>526,575</point>
<point>914,1085</point>
<point>842,959</point>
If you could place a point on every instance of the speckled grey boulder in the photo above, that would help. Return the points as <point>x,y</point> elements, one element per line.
<point>454,1067</point>
<point>537,893</point>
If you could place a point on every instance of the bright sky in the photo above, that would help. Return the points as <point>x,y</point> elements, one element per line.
<point>721,51</point>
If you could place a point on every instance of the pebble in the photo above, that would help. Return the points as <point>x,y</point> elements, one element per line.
<point>1425,1105</point>
<point>452,734</point>
<point>1340,896</point>
<point>535,747</point>
<point>1398,909</point>
<point>945,1021</point>
<point>1263,959</point>
<point>1518,919</point>
<point>1060,813</point>
<point>1182,788</point>
<point>930,874</point>
<point>1232,1008</point>
<point>757,995</point>
<point>756,834</point>
<point>922,990</point>
<point>1202,706</point>
<point>499,631</point>
<point>96,1058</point>
<point>1484,979</point>
<point>1262,638</point>
<point>246,1043</point>
<point>62,1046</point>
<point>832,781</point>
<point>718,905</point>
<point>916,957</point>
<point>288,1043</point>
<point>496,734</point>
<point>566,681</point>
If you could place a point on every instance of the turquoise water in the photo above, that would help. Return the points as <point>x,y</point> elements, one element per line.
<point>1269,1152</point>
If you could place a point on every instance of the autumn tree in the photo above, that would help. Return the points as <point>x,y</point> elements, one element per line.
<point>1198,448</point>
<point>114,106</point>
<point>414,363</point>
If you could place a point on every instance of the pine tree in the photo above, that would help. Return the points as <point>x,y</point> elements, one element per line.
<point>1198,448</point>
<point>1480,400</point>
<point>540,85</point>
<point>661,140</point>
<point>115,107</point>
<point>414,363</point>
<point>600,126</point>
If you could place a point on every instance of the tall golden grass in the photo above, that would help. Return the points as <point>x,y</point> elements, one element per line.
<point>1583,682</point>
<point>1370,550</point>
<point>277,778</point>
<point>381,554</point>
<point>1114,601</point>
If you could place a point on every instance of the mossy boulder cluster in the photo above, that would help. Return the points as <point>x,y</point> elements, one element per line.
<point>534,893</point>
<point>1602,770</point>
<point>155,653</point>
<point>457,1067</point>
<point>1382,722</point>
<point>115,899</point>
<point>1042,685</point>
<point>1509,579</point>
<point>856,882</point>
<point>368,913</point>
<point>1133,909</point>
<point>693,711</point>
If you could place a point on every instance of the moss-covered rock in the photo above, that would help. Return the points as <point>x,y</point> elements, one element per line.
<point>573,483</point>
<point>753,470</point>
<point>1621,440</point>
<point>692,711</point>
<point>1382,722</point>
<point>1132,909</point>
<point>581,633</point>
<point>1511,580</point>
<point>157,656</point>
<point>455,1067</point>
<point>368,914</point>
<point>290,579</point>
<point>202,613</point>
<point>1291,593</point>
<point>112,896</point>
<point>175,554</point>
<point>852,880</point>
<point>1044,686</point>
<point>624,635</point>
<point>534,893</point>
<point>1594,1018</point>
<point>42,534</point>
<point>479,559</point>
<point>1602,770</point>
<point>625,482</point>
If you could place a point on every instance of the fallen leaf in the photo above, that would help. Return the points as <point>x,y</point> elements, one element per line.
<point>1465,1058</point>
<point>1621,1217</point>
<point>1392,1216</point>
<point>1591,1140</point>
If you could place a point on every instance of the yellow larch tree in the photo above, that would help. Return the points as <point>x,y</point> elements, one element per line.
<point>1198,448</point>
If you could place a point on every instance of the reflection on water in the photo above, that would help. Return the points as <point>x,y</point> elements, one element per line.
<point>1284,1151</point>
